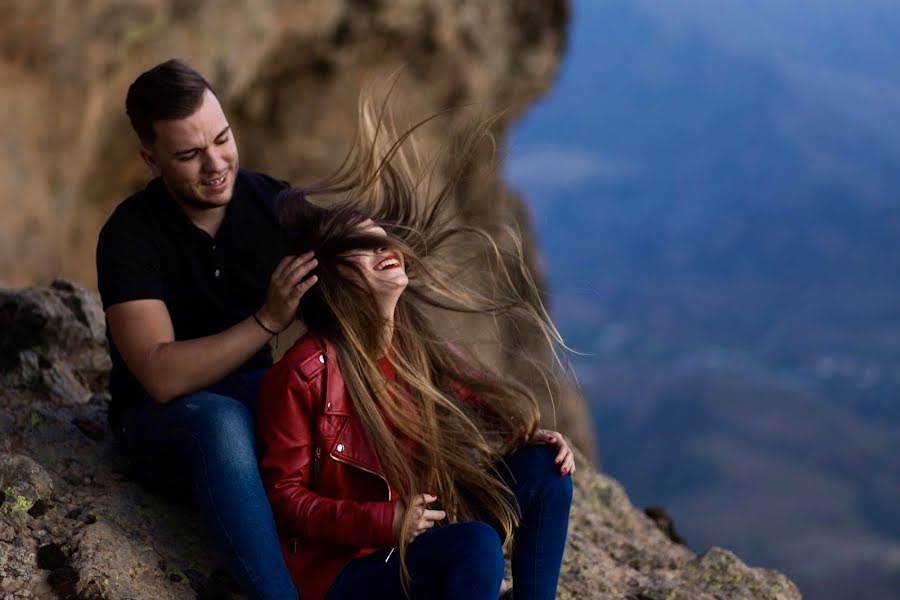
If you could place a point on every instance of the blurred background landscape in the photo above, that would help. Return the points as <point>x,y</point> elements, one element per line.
<point>714,186</point>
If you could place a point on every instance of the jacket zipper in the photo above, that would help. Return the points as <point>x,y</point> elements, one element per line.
<point>317,460</point>
<point>378,475</point>
<point>317,463</point>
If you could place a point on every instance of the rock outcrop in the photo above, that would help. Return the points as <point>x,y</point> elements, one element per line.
<point>75,525</point>
<point>288,74</point>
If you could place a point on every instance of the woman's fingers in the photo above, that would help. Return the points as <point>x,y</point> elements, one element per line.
<point>565,458</point>
<point>568,464</point>
<point>561,455</point>
<point>433,515</point>
<point>420,499</point>
<point>423,518</point>
<point>541,436</point>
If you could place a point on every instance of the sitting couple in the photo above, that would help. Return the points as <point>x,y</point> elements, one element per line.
<point>392,463</point>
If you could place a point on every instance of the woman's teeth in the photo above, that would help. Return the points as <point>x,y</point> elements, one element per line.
<point>386,264</point>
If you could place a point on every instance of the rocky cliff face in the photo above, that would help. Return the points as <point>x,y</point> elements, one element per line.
<point>288,73</point>
<point>75,525</point>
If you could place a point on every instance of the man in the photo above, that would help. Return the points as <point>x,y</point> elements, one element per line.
<point>194,282</point>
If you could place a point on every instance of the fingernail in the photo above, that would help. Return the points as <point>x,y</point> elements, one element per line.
<point>564,470</point>
<point>558,460</point>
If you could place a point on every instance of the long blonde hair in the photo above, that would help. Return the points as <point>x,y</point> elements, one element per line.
<point>465,417</point>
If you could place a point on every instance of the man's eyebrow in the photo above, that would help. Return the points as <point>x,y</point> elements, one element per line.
<point>190,150</point>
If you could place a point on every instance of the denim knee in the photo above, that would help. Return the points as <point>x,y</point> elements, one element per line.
<point>224,428</point>
<point>553,484</point>
<point>480,552</point>
<point>533,473</point>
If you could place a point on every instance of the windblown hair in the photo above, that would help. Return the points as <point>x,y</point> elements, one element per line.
<point>461,417</point>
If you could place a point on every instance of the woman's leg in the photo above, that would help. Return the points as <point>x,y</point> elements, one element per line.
<point>462,560</point>
<point>544,497</point>
<point>205,441</point>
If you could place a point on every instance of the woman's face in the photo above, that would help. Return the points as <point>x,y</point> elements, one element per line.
<point>383,268</point>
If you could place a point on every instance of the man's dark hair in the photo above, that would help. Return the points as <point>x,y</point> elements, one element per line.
<point>170,90</point>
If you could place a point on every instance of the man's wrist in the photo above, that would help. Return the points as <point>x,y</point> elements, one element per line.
<point>263,325</point>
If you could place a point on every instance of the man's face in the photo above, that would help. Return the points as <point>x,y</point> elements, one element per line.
<point>196,156</point>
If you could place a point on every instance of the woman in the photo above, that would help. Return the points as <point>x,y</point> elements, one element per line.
<point>396,464</point>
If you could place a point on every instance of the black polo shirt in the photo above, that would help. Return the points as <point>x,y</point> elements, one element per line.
<point>150,249</point>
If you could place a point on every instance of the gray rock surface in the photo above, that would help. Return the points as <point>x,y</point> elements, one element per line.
<point>98,535</point>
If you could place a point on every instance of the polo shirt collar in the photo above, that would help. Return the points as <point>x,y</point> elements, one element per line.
<point>175,215</point>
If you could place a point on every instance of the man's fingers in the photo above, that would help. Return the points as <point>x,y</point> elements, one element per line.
<point>282,265</point>
<point>301,288</point>
<point>289,263</point>
<point>298,271</point>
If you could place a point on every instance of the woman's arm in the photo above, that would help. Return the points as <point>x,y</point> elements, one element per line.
<point>286,413</point>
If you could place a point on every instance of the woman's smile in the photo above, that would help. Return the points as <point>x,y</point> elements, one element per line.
<point>390,262</point>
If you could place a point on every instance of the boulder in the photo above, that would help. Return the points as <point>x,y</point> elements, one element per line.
<point>100,535</point>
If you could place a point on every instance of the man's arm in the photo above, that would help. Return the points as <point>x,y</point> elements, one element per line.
<point>143,333</point>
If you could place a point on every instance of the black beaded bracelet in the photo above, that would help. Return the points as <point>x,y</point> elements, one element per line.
<point>260,323</point>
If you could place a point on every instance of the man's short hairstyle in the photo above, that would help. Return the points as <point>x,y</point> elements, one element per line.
<point>170,90</point>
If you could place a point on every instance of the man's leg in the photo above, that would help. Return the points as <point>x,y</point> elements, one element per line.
<point>206,440</point>
<point>544,497</point>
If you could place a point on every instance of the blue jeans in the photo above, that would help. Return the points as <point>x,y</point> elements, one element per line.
<point>204,443</point>
<point>465,560</point>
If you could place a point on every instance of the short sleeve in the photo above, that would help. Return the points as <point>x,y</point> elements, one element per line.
<point>128,265</point>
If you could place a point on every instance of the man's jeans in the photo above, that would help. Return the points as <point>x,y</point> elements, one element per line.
<point>205,443</point>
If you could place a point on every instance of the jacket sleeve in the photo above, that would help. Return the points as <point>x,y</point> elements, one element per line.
<point>285,425</point>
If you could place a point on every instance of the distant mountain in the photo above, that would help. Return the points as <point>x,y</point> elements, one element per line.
<point>777,474</point>
<point>723,239</point>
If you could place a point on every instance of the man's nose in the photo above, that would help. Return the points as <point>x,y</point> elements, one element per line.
<point>213,161</point>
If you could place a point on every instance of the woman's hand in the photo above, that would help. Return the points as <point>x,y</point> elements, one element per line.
<point>421,518</point>
<point>564,456</point>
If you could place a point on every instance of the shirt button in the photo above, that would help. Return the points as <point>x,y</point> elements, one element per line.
<point>329,406</point>
<point>340,447</point>
<point>214,246</point>
<point>217,273</point>
<point>322,358</point>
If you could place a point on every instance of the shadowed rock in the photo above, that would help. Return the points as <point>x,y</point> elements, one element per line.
<point>115,540</point>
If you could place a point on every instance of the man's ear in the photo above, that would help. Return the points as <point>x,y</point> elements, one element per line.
<point>150,160</point>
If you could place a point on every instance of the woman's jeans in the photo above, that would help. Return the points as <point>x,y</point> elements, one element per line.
<point>205,443</point>
<point>465,560</point>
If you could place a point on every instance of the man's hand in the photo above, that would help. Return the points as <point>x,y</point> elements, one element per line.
<point>421,518</point>
<point>286,287</point>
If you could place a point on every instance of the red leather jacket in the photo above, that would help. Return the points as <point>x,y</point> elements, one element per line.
<point>328,492</point>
